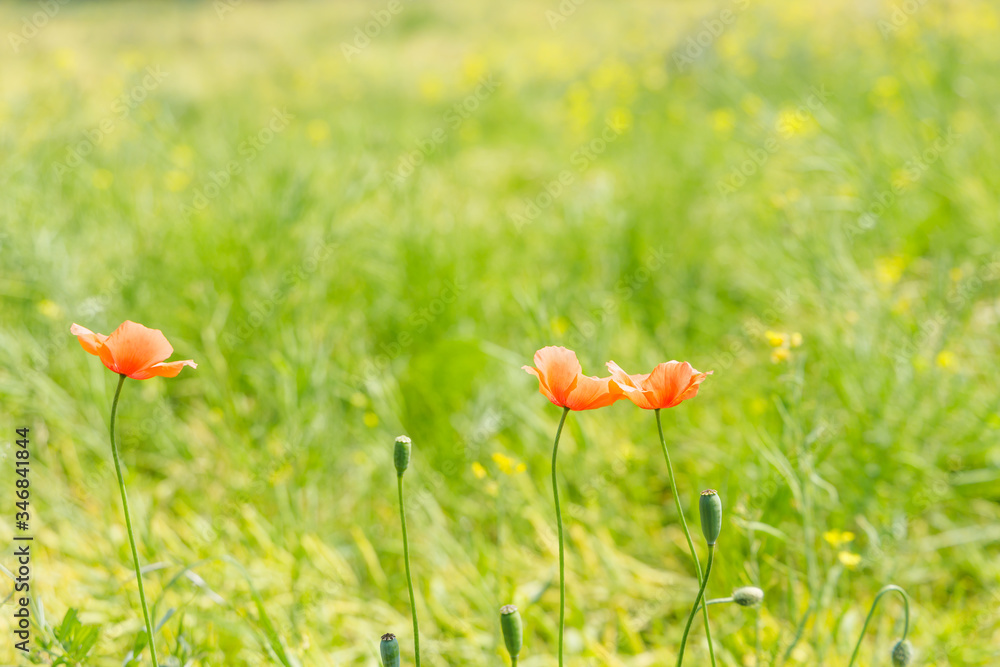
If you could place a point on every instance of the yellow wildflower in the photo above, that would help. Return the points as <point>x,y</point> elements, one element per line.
<point>176,180</point>
<point>888,270</point>
<point>838,537</point>
<point>507,465</point>
<point>723,121</point>
<point>318,131</point>
<point>49,309</point>
<point>849,560</point>
<point>103,179</point>
<point>431,87</point>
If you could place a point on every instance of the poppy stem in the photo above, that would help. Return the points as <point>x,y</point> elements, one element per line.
<point>687,533</point>
<point>719,601</point>
<point>697,602</point>
<point>409,580</point>
<point>906,619</point>
<point>128,523</point>
<point>562,553</point>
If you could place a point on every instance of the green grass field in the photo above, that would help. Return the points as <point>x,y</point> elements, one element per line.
<point>361,234</point>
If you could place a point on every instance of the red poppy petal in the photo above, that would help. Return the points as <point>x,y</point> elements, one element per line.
<point>167,369</point>
<point>90,341</point>
<point>133,348</point>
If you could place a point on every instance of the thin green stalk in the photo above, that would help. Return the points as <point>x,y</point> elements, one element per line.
<point>798,630</point>
<point>500,560</point>
<point>687,533</point>
<point>906,611</point>
<point>128,524</point>
<point>755,568</point>
<point>697,601</point>
<point>719,601</point>
<point>562,553</point>
<point>409,580</point>
<point>809,535</point>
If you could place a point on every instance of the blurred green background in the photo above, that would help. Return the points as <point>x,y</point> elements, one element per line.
<point>359,230</point>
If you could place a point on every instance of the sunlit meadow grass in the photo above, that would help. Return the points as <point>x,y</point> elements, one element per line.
<point>826,170</point>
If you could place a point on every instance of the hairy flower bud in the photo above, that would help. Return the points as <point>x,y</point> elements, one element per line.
<point>401,454</point>
<point>902,653</point>
<point>748,596</point>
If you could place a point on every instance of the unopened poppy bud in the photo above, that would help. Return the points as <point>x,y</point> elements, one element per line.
<point>390,650</point>
<point>711,515</point>
<point>401,455</point>
<point>902,653</point>
<point>510,623</point>
<point>748,596</point>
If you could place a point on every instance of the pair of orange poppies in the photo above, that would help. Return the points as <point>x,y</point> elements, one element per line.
<point>561,380</point>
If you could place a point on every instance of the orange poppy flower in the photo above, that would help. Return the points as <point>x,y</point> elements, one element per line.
<point>561,380</point>
<point>665,387</point>
<point>132,350</point>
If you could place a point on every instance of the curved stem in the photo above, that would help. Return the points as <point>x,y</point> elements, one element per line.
<point>697,601</point>
<point>906,611</point>
<point>409,580</point>
<point>128,524</point>
<point>562,553</point>
<point>687,533</point>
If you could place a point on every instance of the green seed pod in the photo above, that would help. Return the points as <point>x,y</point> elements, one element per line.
<point>748,596</point>
<point>390,650</point>
<point>401,454</point>
<point>510,623</point>
<point>711,515</point>
<point>902,653</point>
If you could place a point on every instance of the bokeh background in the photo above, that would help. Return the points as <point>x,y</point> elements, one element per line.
<point>360,230</point>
